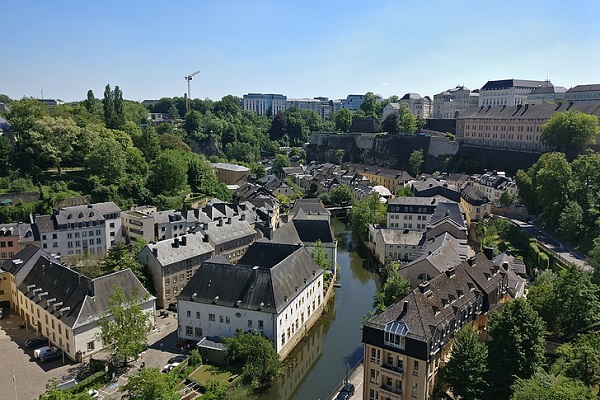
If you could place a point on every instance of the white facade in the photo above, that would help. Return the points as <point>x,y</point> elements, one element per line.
<point>264,104</point>
<point>508,92</point>
<point>448,104</point>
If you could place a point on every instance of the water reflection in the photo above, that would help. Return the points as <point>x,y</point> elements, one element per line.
<point>315,367</point>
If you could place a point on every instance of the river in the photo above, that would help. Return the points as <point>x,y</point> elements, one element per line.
<point>319,363</point>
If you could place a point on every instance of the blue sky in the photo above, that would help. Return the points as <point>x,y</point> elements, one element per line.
<point>300,49</point>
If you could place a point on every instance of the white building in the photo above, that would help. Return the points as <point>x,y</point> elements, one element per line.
<point>508,92</point>
<point>275,289</point>
<point>583,94</point>
<point>546,94</point>
<point>63,305</point>
<point>264,104</point>
<point>450,103</point>
<point>419,106</point>
<point>89,229</point>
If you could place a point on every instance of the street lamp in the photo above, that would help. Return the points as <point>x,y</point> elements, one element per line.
<point>347,371</point>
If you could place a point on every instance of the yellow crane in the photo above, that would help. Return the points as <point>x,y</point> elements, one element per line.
<point>188,78</point>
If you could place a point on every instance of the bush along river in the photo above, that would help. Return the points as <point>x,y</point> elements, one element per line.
<point>320,361</point>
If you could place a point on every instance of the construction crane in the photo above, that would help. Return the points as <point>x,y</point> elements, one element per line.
<point>188,78</point>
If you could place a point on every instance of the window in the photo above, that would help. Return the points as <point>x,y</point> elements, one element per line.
<point>90,346</point>
<point>282,339</point>
<point>211,317</point>
<point>221,319</point>
<point>189,331</point>
<point>227,319</point>
<point>249,323</point>
<point>260,324</point>
<point>198,332</point>
<point>414,389</point>
<point>197,314</point>
<point>416,368</point>
<point>189,314</point>
<point>67,334</point>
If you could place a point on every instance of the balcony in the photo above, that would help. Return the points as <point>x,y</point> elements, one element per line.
<point>391,370</point>
<point>389,391</point>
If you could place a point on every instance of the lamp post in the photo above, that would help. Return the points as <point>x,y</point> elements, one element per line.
<point>347,371</point>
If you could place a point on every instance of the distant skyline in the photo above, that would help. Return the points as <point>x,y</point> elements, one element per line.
<point>299,49</point>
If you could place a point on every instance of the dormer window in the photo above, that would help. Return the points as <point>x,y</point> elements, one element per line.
<point>70,216</point>
<point>436,310</point>
<point>471,286</point>
<point>395,334</point>
<point>80,215</point>
<point>91,214</point>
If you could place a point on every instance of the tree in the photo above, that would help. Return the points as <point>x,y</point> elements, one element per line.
<point>367,211</point>
<point>466,370</point>
<point>124,325</point>
<point>415,161</point>
<point>319,255</point>
<point>408,122</point>
<point>258,169</point>
<point>395,288</point>
<point>575,301</point>
<point>391,124</point>
<point>148,143</point>
<point>123,256</point>
<point>543,386</point>
<point>506,199</point>
<point>90,102</point>
<point>108,106</point>
<point>150,384</point>
<point>582,358</point>
<point>118,117</point>
<point>281,161</point>
<point>193,122</point>
<point>5,153</point>
<point>517,346</point>
<point>279,126</point>
<point>541,297</point>
<point>260,361</point>
<point>173,142</point>
<point>343,120</point>
<point>570,130</point>
<point>369,105</point>
<point>339,155</point>
<point>570,223</point>
<point>168,173</point>
<point>107,160</point>
<point>341,195</point>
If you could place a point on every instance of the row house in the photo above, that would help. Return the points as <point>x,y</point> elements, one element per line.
<point>88,229</point>
<point>392,179</point>
<point>450,103</point>
<point>493,184</point>
<point>276,290</point>
<point>172,263</point>
<point>475,204</point>
<point>516,128</point>
<point>14,237</point>
<point>63,305</point>
<point>406,345</point>
<point>419,106</point>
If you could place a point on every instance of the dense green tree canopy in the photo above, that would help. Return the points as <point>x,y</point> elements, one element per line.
<point>341,194</point>
<point>168,173</point>
<point>570,130</point>
<point>466,370</point>
<point>415,161</point>
<point>343,120</point>
<point>543,386</point>
<point>150,384</point>
<point>394,289</point>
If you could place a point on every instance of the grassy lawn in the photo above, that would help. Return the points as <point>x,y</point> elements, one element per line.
<point>208,373</point>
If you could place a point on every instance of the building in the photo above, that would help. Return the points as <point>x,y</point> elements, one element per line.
<point>63,305</point>
<point>138,223</point>
<point>89,229</point>
<point>354,101</point>
<point>230,236</point>
<point>494,184</point>
<point>412,213</point>
<point>230,174</point>
<point>511,127</point>
<point>14,237</point>
<point>450,103</point>
<point>275,289</point>
<point>264,104</point>
<point>419,106</point>
<point>173,262</point>
<point>405,345</point>
<point>508,92</point>
<point>427,186</point>
<point>475,204</point>
<point>546,94</point>
<point>583,94</point>
<point>392,179</point>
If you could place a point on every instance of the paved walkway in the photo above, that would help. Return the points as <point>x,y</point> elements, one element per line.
<point>356,378</point>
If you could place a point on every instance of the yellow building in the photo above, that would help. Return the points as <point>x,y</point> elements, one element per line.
<point>475,204</point>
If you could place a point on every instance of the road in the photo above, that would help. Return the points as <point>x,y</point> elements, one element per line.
<point>564,252</point>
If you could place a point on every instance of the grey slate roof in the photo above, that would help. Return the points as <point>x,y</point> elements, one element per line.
<point>473,196</point>
<point>442,253</point>
<point>584,88</point>
<point>309,206</point>
<point>231,229</point>
<point>167,253</point>
<point>508,83</point>
<point>282,271</point>
<point>306,230</point>
<point>402,236</point>
<point>447,210</point>
<point>543,111</point>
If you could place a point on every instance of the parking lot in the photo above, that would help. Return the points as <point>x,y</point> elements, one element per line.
<point>21,376</point>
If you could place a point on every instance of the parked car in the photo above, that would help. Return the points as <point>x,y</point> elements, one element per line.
<point>51,355</point>
<point>178,359</point>
<point>346,392</point>
<point>93,393</point>
<point>173,307</point>
<point>36,342</point>
<point>169,367</point>
<point>38,353</point>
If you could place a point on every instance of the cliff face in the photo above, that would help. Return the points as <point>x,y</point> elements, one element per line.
<point>382,150</point>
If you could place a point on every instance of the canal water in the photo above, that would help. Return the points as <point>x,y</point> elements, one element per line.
<point>320,361</point>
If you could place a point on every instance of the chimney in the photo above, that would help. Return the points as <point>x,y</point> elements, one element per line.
<point>155,252</point>
<point>242,217</point>
<point>450,272</point>
<point>424,287</point>
<point>175,243</point>
<point>220,223</point>
<point>229,221</point>
<point>471,261</point>
<point>505,265</point>
<point>507,252</point>
<point>205,225</point>
<point>405,307</point>
<point>488,251</point>
<point>238,303</point>
<point>255,272</point>
<point>183,240</point>
<point>205,238</point>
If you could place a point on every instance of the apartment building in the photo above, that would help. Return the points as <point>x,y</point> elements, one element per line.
<point>546,94</point>
<point>14,237</point>
<point>419,106</point>
<point>392,179</point>
<point>583,94</point>
<point>493,184</point>
<point>264,104</point>
<point>406,345</point>
<point>138,223</point>
<point>412,213</point>
<point>230,174</point>
<point>275,289</point>
<point>89,229</point>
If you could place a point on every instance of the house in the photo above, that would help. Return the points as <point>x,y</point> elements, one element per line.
<point>410,213</point>
<point>138,223</point>
<point>475,204</point>
<point>405,345</point>
<point>546,94</point>
<point>310,207</point>
<point>428,186</point>
<point>419,106</point>
<point>172,263</point>
<point>275,289</point>
<point>395,244</point>
<point>393,179</point>
<point>494,184</point>
<point>88,229</point>
<point>14,237</point>
<point>64,305</point>
<point>275,185</point>
<point>231,174</point>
